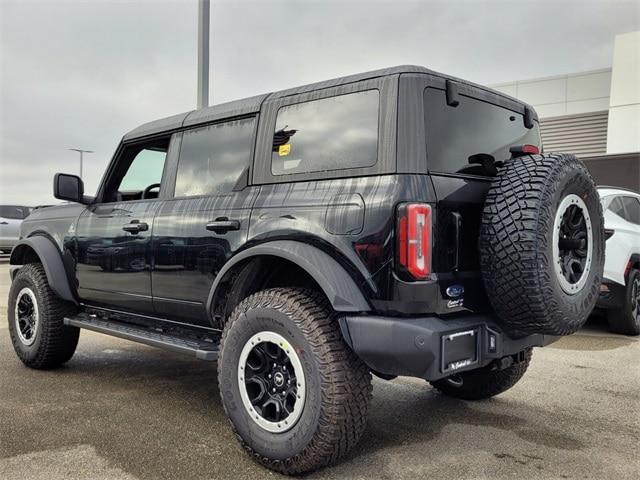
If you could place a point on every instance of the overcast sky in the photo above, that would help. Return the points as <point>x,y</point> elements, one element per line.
<point>81,74</point>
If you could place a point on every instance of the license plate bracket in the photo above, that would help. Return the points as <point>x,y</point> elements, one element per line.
<point>460,350</point>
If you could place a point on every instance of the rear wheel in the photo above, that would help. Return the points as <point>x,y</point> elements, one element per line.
<point>484,382</point>
<point>626,320</point>
<point>296,395</point>
<point>36,320</point>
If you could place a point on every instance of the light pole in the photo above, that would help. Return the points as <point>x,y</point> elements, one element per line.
<point>81,152</point>
<point>203,53</point>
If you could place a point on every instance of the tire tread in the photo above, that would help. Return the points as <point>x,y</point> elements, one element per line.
<point>57,342</point>
<point>516,269</point>
<point>345,379</point>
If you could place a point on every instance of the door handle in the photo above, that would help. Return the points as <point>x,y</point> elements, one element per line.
<point>135,227</point>
<point>223,225</point>
<point>4,223</point>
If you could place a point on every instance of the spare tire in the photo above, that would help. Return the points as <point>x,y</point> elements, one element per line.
<point>542,244</point>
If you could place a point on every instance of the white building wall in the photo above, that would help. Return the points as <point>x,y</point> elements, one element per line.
<point>623,133</point>
<point>564,94</point>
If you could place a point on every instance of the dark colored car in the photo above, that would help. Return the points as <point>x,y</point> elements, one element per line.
<point>396,222</point>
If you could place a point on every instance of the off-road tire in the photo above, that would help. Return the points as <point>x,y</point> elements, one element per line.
<point>516,244</point>
<point>484,382</point>
<point>338,384</point>
<point>625,320</point>
<point>54,342</point>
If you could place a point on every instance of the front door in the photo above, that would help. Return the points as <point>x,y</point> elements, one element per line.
<point>114,235</point>
<point>204,220</point>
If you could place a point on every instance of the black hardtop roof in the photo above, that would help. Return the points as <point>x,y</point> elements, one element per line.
<point>251,105</point>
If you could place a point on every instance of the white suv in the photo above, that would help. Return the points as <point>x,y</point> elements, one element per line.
<point>620,290</point>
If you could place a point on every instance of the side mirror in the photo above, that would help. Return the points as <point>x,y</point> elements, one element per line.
<point>68,187</point>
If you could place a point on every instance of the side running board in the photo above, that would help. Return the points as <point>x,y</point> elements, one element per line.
<point>203,349</point>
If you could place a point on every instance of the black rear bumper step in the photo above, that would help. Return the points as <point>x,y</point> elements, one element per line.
<point>432,347</point>
<point>202,349</point>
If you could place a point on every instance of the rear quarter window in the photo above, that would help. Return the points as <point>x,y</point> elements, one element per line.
<point>456,133</point>
<point>616,206</point>
<point>632,209</point>
<point>14,212</point>
<point>334,133</point>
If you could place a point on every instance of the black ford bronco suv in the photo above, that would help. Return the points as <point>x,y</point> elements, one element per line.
<point>396,222</point>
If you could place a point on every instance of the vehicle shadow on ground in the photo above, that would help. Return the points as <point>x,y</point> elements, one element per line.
<point>117,399</point>
<point>418,416</point>
<point>402,417</point>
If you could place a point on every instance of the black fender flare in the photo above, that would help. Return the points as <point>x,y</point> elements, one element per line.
<point>339,287</point>
<point>51,260</point>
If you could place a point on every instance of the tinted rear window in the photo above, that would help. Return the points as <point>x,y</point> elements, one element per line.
<point>327,134</point>
<point>456,133</point>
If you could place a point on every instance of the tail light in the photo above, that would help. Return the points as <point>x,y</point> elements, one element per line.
<point>526,149</point>
<point>414,240</point>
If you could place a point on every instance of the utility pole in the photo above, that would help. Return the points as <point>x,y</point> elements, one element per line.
<point>203,53</point>
<point>79,150</point>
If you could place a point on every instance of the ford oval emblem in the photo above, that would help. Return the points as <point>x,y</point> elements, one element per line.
<point>455,291</point>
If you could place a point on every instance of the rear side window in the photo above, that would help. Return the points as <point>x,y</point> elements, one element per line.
<point>212,158</point>
<point>14,212</point>
<point>632,209</point>
<point>328,134</point>
<point>617,207</point>
<point>456,133</point>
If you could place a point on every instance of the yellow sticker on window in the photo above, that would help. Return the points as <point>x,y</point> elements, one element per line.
<point>284,150</point>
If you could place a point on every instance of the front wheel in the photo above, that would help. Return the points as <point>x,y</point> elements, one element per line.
<point>296,395</point>
<point>484,382</point>
<point>36,320</point>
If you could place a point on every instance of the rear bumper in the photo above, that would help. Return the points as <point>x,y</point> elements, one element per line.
<point>431,347</point>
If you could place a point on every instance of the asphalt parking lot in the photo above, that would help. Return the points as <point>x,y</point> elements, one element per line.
<point>120,410</point>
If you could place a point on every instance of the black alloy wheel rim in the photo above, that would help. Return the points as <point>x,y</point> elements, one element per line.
<point>271,382</point>
<point>573,244</point>
<point>26,316</point>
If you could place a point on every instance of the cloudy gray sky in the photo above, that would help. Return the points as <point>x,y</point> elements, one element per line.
<point>82,73</point>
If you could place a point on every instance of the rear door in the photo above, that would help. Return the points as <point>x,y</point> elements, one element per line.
<point>455,135</point>
<point>205,219</point>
